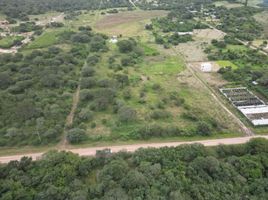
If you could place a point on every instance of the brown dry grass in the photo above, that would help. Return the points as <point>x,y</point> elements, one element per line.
<point>127,23</point>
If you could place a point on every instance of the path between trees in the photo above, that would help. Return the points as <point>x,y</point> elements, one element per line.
<point>91,151</point>
<point>70,118</point>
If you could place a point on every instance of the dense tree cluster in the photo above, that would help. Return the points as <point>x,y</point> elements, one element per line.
<point>22,8</point>
<point>170,29</point>
<point>188,172</point>
<point>239,22</point>
<point>172,4</point>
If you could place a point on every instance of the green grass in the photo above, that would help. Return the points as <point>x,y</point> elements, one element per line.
<point>8,41</point>
<point>225,63</point>
<point>237,47</point>
<point>170,65</point>
<point>45,40</point>
<point>149,51</point>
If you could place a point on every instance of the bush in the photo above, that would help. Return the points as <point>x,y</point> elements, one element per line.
<point>126,46</point>
<point>88,82</point>
<point>76,135</point>
<point>160,114</point>
<point>93,59</point>
<point>86,95</point>
<point>85,114</point>
<point>127,61</point>
<point>87,71</point>
<point>203,128</point>
<point>127,114</point>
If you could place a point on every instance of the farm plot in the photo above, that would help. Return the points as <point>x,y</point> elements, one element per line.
<point>249,104</point>
<point>126,23</point>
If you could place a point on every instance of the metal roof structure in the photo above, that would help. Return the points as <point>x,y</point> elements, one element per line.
<point>251,106</point>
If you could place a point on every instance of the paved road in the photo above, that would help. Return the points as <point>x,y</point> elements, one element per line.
<point>91,151</point>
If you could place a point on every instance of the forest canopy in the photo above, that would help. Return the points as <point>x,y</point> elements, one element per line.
<point>189,172</point>
<point>22,8</point>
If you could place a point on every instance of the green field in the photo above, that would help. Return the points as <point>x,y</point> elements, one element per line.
<point>9,41</point>
<point>45,40</point>
<point>168,66</point>
<point>227,63</point>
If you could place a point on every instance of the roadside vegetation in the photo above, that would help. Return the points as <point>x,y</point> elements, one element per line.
<point>191,172</point>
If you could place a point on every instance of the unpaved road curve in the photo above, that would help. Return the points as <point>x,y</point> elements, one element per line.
<point>91,151</point>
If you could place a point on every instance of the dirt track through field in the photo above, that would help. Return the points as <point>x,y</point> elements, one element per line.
<point>91,151</point>
<point>243,128</point>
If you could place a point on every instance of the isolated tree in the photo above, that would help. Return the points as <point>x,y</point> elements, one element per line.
<point>127,114</point>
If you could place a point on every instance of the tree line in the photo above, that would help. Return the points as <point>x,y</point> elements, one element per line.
<point>20,9</point>
<point>187,172</point>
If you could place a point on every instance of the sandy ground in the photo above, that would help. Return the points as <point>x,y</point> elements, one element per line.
<point>212,78</point>
<point>91,151</point>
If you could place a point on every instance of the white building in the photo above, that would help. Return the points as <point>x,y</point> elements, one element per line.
<point>114,39</point>
<point>185,33</point>
<point>206,67</point>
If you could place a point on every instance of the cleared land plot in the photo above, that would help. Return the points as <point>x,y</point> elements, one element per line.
<point>213,78</point>
<point>126,23</point>
<point>45,40</point>
<point>192,51</point>
<point>208,34</point>
<point>46,18</point>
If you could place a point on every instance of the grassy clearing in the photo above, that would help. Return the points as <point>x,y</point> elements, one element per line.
<point>228,4</point>
<point>225,63</point>
<point>126,23</point>
<point>263,19</point>
<point>236,47</point>
<point>168,66</point>
<point>148,50</point>
<point>9,41</point>
<point>45,40</point>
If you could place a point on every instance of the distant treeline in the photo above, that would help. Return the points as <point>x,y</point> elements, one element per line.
<point>21,8</point>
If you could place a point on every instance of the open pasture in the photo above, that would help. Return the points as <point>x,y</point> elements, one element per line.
<point>126,23</point>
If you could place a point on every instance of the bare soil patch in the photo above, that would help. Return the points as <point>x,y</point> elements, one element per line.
<point>212,78</point>
<point>209,34</point>
<point>192,51</point>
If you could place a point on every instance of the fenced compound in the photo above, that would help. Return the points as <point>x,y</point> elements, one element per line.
<point>247,103</point>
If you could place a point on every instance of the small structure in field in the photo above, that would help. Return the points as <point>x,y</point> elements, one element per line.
<point>185,33</point>
<point>114,39</point>
<point>206,67</point>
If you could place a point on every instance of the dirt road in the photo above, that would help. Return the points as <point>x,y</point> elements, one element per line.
<point>91,151</point>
